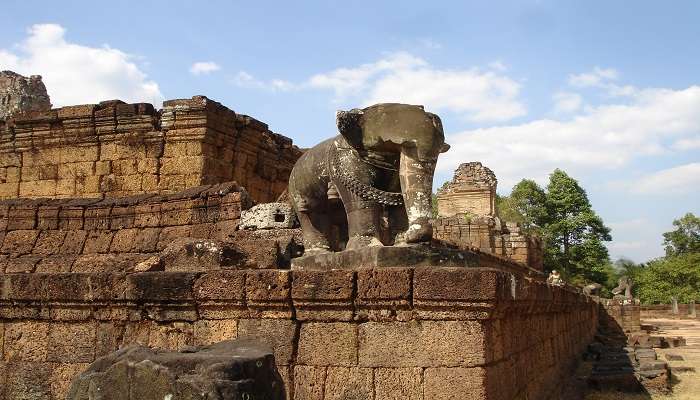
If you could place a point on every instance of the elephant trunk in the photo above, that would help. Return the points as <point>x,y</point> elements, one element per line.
<point>416,176</point>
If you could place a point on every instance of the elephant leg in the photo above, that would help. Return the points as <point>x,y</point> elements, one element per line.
<point>363,224</point>
<point>315,227</point>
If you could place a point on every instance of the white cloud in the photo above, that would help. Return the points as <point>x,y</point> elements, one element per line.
<point>687,143</point>
<point>76,74</point>
<point>246,80</point>
<point>597,139</point>
<point>476,95</point>
<point>595,78</point>
<point>676,180</point>
<point>498,66</point>
<point>353,81</point>
<point>566,102</point>
<point>204,67</point>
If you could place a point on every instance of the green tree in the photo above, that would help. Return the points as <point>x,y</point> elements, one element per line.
<point>685,238</point>
<point>667,277</point>
<point>530,201</point>
<point>573,232</point>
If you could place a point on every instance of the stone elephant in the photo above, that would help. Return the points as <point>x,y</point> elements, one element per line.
<point>372,184</point>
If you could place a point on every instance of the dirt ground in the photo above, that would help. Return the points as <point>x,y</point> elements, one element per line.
<point>686,385</point>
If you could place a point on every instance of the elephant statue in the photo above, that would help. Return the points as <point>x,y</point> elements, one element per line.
<point>372,184</point>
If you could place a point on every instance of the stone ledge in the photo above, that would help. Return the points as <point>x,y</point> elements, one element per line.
<point>372,294</point>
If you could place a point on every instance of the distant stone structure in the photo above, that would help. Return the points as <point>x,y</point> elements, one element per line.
<point>471,191</point>
<point>19,95</point>
<point>114,149</point>
<point>467,218</point>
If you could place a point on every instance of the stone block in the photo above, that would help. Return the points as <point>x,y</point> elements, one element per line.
<point>386,257</point>
<point>169,234</point>
<point>108,336</point>
<point>61,376</point>
<point>49,242</point>
<point>71,342</point>
<point>98,242</point>
<point>146,240</point>
<point>461,284</point>
<point>213,331</point>
<point>123,240</point>
<point>348,383</point>
<point>20,241</point>
<point>455,383</point>
<point>73,243</point>
<point>328,344</point>
<point>47,217</point>
<point>160,286</point>
<point>398,383</point>
<point>26,341</point>
<point>422,344</point>
<point>384,286</point>
<point>323,295</point>
<point>28,380</point>
<point>221,285</point>
<point>323,285</point>
<point>280,334</point>
<point>97,217</point>
<point>21,264</point>
<point>173,335</point>
<point>309,382</point>
<point>268,292</point>
<point>238,370</point>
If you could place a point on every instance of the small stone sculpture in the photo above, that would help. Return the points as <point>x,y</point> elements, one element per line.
<point>554,279</point>
<point>372,184</point>
<point>623,284</point>
<point>593,289</point>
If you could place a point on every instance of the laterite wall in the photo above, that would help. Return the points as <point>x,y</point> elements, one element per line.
<point>116,149</point>
<point>397,333</point>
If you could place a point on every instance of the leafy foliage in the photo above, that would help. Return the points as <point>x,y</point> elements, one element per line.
<point>670,276</point>
<point>685,238</point>
<point>562,214</point>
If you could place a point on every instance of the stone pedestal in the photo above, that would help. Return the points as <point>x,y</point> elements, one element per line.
<point>387,256</point>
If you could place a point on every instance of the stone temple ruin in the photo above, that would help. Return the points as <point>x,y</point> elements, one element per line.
<point>467,217</point>
<point>120,228</point>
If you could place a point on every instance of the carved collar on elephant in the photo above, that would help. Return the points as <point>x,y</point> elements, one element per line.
<point>379,159</point>
<point>364,191</point>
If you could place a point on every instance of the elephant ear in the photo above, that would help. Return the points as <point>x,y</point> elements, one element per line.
<point>350,126</point>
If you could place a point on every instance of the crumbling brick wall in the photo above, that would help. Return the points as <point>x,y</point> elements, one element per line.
<point>490,235</point>
<point>370,334</point>
<point>116,149</point>
<point>113,234</point>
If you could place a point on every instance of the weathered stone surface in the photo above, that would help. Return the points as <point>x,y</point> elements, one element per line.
<point>329,344</point>
<point>268,216</point>
<point>471,191</point>
<point>187,254</point>
<point>210,144</point>
<point>19,94</point>
<point>385,256</point>
<point>225,370</point>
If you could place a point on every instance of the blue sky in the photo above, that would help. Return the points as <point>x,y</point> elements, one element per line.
<point>608,91</point>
